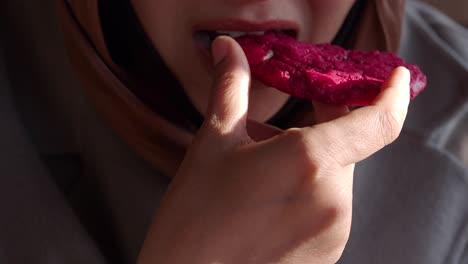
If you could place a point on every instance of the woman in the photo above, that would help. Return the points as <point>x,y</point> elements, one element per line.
<point>247,192</point>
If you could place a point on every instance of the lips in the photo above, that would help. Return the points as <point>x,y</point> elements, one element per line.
<point>204,33</point>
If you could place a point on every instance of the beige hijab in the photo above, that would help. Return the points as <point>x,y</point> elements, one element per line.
<point>155,139</point>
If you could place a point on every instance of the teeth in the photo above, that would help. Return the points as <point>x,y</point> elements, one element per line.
<point>203,39</point>
<point>236,34</point>
<point>257,33</point>
<point>232,34</point>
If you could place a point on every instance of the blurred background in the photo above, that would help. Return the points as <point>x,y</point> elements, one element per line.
<point>457,9</point>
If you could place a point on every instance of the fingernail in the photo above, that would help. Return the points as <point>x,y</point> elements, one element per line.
<point>218,50</point>
<point>403,73</point>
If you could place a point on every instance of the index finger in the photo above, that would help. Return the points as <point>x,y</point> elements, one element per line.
<point>362,132</point>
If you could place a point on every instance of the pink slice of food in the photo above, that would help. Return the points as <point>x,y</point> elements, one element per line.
<point>325,73</point>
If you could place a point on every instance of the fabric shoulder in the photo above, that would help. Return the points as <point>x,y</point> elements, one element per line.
<point>439,46</point>
<point>444,31</point>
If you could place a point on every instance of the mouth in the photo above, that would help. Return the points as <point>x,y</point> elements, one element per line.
<point>204,39</point>
<point>205,33</point>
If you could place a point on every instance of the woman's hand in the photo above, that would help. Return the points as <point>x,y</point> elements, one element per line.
<point>261,195</point>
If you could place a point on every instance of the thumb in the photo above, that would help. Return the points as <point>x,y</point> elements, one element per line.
<point>228,105</point>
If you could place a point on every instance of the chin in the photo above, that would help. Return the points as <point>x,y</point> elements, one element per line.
<point>265,102</point>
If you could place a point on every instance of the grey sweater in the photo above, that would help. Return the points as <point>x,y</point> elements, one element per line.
<point>72,192</point>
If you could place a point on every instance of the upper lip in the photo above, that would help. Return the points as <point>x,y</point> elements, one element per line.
<point>245,26</point>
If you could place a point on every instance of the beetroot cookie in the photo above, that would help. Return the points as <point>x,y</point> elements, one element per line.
<point>325,73</point>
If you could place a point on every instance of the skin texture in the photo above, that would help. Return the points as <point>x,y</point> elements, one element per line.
<point>266,195</point>
<point>247,192</point>
<point>169,24</point>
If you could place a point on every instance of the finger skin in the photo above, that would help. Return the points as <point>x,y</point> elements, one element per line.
<point>260,131</point>
<point>326,112</point>
<point>362,132</point>
<point>228,107</point>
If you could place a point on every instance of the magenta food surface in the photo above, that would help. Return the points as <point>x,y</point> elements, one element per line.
<point>325,73</point>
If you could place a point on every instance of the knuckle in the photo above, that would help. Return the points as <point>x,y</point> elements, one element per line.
<point>390,125</point>
<point>303,148</point>
<point>297,138</point>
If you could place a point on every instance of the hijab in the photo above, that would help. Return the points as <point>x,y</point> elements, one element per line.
<point>119,86</point>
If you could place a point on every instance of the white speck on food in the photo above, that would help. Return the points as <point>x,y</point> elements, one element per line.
<point>269,55</point>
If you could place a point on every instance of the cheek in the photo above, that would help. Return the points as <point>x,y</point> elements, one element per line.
<point>326,18</point>
<point>167,23</point>
<point>332,8</point>
<point>157,16</point>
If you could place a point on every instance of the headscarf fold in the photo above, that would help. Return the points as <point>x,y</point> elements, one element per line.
<point>155,139</point>
<point>381,25</point>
